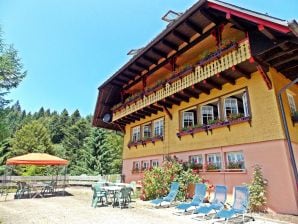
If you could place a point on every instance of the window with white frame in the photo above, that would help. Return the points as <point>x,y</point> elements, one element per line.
<point>154,163</point>
<point>245,104</point>
<point>158,126</point>
<point>209,112</point>
<point>136,134</point>
<point>292,103</point>
<point>235,160</point>
<point>145,165</point>
<point>213,161</point>
<point>189,118</point>
<point>147,131</point>
<point>230,107</point>
<point>196,159</point>
<point>136,165</point>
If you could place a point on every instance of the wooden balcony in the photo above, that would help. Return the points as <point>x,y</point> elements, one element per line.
<point>177,88</point>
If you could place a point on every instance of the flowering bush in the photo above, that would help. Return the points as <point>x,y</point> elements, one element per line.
<point>157,181</point>
<point>257,191</point>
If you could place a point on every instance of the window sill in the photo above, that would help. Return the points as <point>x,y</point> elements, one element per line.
<point>223,171</point>
<point>145,142</point>
<point>209,128</point>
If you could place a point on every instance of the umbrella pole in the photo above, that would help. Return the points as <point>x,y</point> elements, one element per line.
<point>64,180</point>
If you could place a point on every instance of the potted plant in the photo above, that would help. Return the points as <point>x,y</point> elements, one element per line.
<point>235,166</point>
<point>212,167</point>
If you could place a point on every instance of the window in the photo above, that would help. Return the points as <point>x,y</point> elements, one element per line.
<point>158,127</point>
<point>245,104</point>
<point>235,160</point>
<point>197,159</point>
<point>231,107</point>
<point>214,161</point>
<point>136,134</point>
<point>189,118</point>
<point>154,163</point>
<point>145,165</point>
<point>147,131</point>
<point>136,165</point>
<point>209,112</point>
<point>292,104</point>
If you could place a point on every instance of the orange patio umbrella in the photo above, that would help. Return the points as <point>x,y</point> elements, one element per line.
<point>39,159</point>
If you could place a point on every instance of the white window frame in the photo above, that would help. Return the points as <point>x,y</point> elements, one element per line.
<point>145,164</point>
<point>292,104</point>
<point>154,163</point>
<point>235,157</point>
<point>235,106</point>
<point>214,158</point>
<point>158,127</point>
<point>196,159</point>
<point>144,127</point>
<point>208,114</point>
<point>136,134</point>
<point>190,117</point>
<point>136,164</point>
<point>245,104</point>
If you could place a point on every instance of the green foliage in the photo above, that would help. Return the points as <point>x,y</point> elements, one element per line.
<point>32,137</point>
<point>257,191</point>
<point>157,181</point>
<point>11,70</point>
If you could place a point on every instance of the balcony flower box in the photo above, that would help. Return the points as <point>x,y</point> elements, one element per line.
<point>210,167</point>
<point>295,117</point>
<point>135,144</point>
<point>180,74</point>
<point>212,124</point>
<point>191,130</point>
<point>149,90</point>
<point>218,53</point>
<point>238,118</point>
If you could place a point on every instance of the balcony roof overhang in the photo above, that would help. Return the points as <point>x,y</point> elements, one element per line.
<point>191,28</point>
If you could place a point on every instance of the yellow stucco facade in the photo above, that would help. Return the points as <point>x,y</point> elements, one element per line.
<point>265,121</point>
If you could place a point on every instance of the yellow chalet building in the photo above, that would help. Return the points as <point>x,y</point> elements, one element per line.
<point>218,87</point>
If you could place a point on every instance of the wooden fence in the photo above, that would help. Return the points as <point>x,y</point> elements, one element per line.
<point>82,180</point>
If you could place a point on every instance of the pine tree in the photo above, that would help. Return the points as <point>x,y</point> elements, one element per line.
<point>32,137</point>
<point>257,191</point>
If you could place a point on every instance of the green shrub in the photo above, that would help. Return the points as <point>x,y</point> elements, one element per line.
<point>257,191</point>
<point>157,181</point>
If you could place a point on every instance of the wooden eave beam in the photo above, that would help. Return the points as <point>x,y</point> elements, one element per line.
<point>241,71</point>
<point>226,78</point>
<point>168,113</point>
<point>127,120</point>
<point>141,65</point>
<point>170,44</point>
<point>122,79</point>
<point>159,52</point>
<point>213,84</point>
<point>173,100</point>
<point>181,36</point>
<point>234,21</point>
<point>114,83</point>
<point>266,32</point>
<point>150,110</point>
<point>164,104</point>
<point>280,54</point>
<point>139,114</point>
<point>131,77</point>
<point>194,26</point>
<point>210,17</point>
<point>149,59</point>
<point>288,59</point>
<point>133,117</point>
<point>143,113</point>
<point>181,97</point>
<point>181,51</point>
<point>134,71</point>
<point>202,88</point>
<point>190,93</point>
<point>157,108</point>
<point>289,68</point>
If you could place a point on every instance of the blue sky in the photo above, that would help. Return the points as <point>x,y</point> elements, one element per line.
<point>70,47</point>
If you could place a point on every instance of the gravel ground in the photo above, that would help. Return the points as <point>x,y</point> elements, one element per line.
<point>76,209</point>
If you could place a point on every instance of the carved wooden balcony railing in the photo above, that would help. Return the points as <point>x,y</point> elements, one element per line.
<point>201,71</point>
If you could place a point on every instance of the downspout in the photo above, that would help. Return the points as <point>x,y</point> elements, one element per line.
<point>286,129</point>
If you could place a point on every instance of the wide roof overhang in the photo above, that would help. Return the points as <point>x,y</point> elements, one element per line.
<point>39,159</point>
<point>189,29</point>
